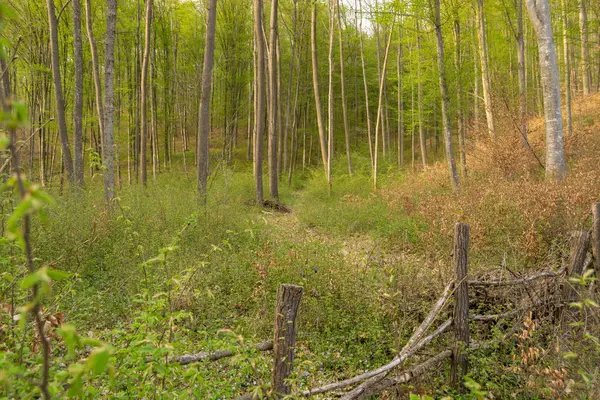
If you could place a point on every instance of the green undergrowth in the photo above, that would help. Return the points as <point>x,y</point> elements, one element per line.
<point>156,276</point>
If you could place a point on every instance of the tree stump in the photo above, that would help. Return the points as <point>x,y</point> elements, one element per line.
<point>461,304</point>
<point>286,309</point>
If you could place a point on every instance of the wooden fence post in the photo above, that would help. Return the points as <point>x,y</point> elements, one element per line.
<point>284,343</point>
<point>580,243</point>
<point>596,238</point>
<point>461,304</point>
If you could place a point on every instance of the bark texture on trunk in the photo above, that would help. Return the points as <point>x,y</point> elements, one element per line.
<point>445,98</point>
<point>343,88</point>
<point>58,92</point>
<point>109,96</point>
<point>204,112</point>
<point>317,91</point>
<point>485,76</point>
<point>586,76</point>
<point>144,94</point>
<point>78,95</point>
<point>539,13</point>
<point>273,105</point>
<point>259,110</point>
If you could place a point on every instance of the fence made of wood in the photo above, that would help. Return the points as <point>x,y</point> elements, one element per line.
<point>372,382</point>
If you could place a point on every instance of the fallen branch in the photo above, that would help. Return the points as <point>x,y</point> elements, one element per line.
<point>399,359</point>
<point>438,306</point>
<point>526,279</point>
<point>217,355</point>
<point>380,382</point>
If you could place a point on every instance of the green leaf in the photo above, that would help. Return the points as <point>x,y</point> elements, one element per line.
<point>22,209</point>
<point>76,387</point>
<point>69,334</point>
<point>4,142</point>
<point>57,275</point>
<point>91,342</point>
<point>98,359</point>
<point>590,303</point>
<point>31,280</point>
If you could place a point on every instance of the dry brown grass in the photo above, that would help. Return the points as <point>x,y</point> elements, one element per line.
<point>513,211</point>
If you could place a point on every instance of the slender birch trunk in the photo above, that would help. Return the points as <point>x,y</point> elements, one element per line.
<point>420,101</point>
<point>445,97</point>
<point>366,88</point>
<point>78,95</point>
<point>379,120</point>
<point>273,101</point>
<point>485,76</point>
<point>565,25</point>
<point>522,77</point>
<point>317,91</point>
<point>539,13</point>
<point>58,92</point>
<point>109,97</point>
<point>144,95</point>
<point>204,112</point>
<point>259,110</point>
<point>400,102</point>
<point>586,75</point>
<point>459,97</point>
<point>343,89</point>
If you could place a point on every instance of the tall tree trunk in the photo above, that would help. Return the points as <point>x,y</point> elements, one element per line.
<point>485,76</point>
<point>522,77</point>
<point>420,101</point>
<point>539,13</point>
<point>459,97</point>
<point>144,94</point>
<point>95,72</point>
<point>412,121</point>
<point>204,113</point>
<point>78,95</point>
<point>585,62</point>
<point>343,88</point>
<point>366,88</point>
<point>379,121</point>
<point>476,81</point>
<point>567,66</point>
<point>249,123</point>
<point>109,94</point>
<point>400,102</point>
<point>317,91</point>
<point>330,100</point>
<point>58,92</point>
<point>259,110</point>
<point>273,101</point>
<point>445,98</point>
<point>286,155</point>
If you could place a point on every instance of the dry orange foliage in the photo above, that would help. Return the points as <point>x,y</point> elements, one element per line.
<point>505,197</point>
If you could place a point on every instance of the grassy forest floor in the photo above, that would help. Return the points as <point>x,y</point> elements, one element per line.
<point>157,278</point>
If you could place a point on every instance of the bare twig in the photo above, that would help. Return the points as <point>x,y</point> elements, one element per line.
<point>217,355</point>
<point>439,305</point>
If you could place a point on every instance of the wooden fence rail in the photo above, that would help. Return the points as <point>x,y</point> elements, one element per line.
<point>372,382</point>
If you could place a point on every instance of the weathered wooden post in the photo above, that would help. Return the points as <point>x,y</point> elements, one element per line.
<point>284,343</point>
<point>461,304</point>
<point>580,243</point>
<point>596,238</point>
